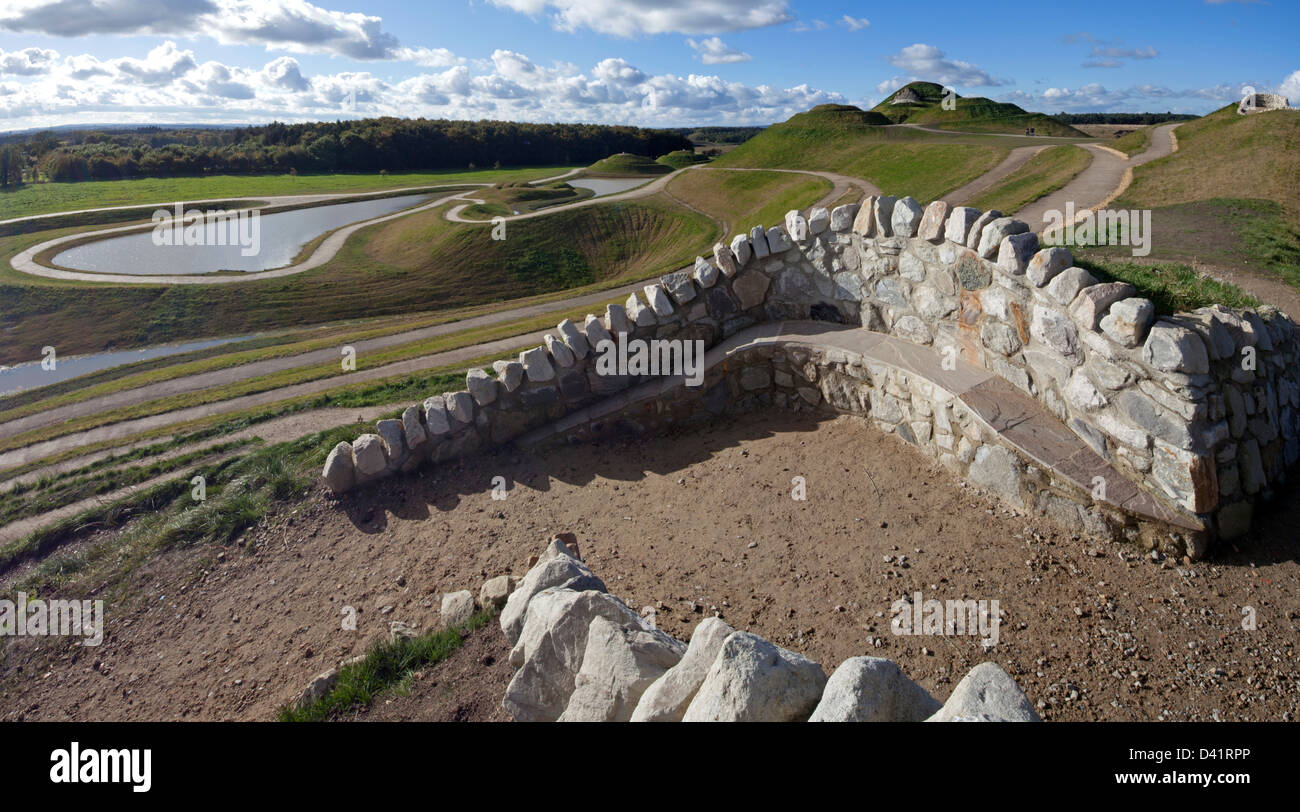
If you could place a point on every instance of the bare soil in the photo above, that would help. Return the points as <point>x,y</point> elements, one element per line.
<point>693,523</point>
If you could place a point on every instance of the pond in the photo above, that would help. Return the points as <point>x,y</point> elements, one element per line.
<point>608,186</point>
<point>251,244</point>
<point>31,374</point>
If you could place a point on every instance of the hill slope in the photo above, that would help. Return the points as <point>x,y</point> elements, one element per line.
<point>1255,156</point>
<point>851,141</point>
<point>974,113</point>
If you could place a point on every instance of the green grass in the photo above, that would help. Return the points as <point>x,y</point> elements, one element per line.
<point>239,492</point>
<point>1255,156</point>
<point>1041,175</point>
<point>42,496</point>
<point>974,114</point>
<point>1134,143</point>
<point>625,163</point>
<point>744,199</point>
<point>388,664</point>
<point>899,161</point>
<point>44,198</point>
<point>1170,286</point>
<point>679,159</point>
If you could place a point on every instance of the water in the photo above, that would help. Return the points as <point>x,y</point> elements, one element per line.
<point>30,375</point>
<point>608,186</point>
<point>282,236</point>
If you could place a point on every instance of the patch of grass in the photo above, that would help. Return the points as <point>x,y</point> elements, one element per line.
<point>744,199</point>
<point>970,113</point>
<point>387,665</point>
<point>1241,234</point>
<point>44,198</point>
<point>239,492</point>
<point>1255,156</point>
<point>625,163</point>
<point>682,158</point>
<point>1134,143</point>
<point>1171,287</point>
<point>52,493</point>
<point>900,161</point>
<point>1041,175</point>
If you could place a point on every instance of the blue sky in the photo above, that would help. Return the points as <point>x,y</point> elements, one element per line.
<point>679,62</point>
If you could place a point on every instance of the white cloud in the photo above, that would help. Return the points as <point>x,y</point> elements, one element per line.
<point>284,74</point>
<point>289,25</point>
<point>1093,97</point>
<point>855,23</point>
<point>713,51</point>
<point>629,19</point>
<point>27,62</point>
<point>1290,88</point>
<point>168,86</point>
<point>929,63</point>
<point>160,66</point>
<point>815,25</point>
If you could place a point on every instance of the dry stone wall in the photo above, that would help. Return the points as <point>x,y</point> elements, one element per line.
<point>1200,409</point>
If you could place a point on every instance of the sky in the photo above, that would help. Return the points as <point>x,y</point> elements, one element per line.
<point>646,63</point>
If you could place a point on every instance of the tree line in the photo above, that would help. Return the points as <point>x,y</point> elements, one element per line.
<point>1121,118</point>
<point>364,145</point>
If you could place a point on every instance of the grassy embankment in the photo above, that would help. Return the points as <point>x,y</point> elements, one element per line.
<point>1041,175</point>
<point>1256,231</point>
<point>745,199</point>
<point>1132,144</point>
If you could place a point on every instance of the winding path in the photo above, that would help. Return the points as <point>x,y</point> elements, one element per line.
<point>1102,181</point>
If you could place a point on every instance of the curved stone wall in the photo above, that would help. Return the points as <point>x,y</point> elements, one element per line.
<point>1198,409</point>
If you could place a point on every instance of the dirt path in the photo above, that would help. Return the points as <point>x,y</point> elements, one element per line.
<point>1090,631</point>
<point>1104,180</point>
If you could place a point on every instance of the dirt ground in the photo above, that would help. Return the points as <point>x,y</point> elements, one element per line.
<point>691,524</point>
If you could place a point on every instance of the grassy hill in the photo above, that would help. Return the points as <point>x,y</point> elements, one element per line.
<point>682,158</point>
<point>1255,156</point>
<point>971,114</point>
<point>1253,233</point>
<point>742,200</point>
<point>852,141</point>
<point>624,164</point>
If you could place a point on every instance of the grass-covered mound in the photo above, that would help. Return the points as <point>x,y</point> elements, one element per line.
<point>679,159</point>
<point>845,139</point>
<point>1255,156</point>
<point>624,164</point>
<point>972,114</point>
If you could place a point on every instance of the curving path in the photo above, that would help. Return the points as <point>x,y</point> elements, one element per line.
<point>1102,181</point>
<point>26,260</point>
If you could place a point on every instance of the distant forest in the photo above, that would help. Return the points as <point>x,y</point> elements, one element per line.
<point>365,145</point>
<point>719,135</point>
<point>1121,118</point>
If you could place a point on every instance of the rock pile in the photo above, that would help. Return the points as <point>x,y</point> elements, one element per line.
<point>581,654</point>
